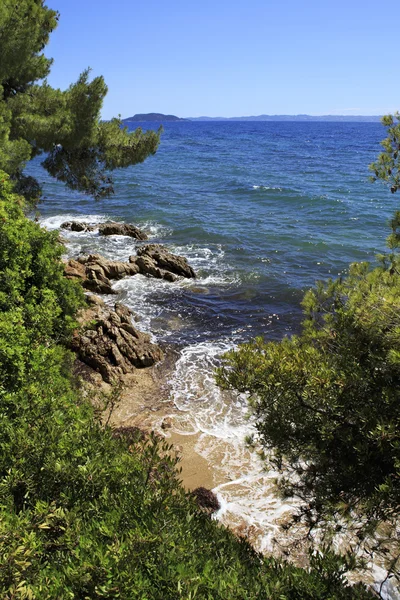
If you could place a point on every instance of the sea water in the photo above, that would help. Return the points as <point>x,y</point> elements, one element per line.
<point>261,210</point>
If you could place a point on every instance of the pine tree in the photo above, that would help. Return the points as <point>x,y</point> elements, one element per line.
<point>35,118</point>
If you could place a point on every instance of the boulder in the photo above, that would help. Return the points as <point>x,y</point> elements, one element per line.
<point>157,261</point>
<point>166,423</point>
<point>111,345</point>
<point>94,300</point>
<point>112,269</point>
<point>77,226</point>
<point>206,500</point>
<point>95,272</point>
<point>112,228</point>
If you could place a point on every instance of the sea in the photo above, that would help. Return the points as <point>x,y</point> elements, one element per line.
<point>261,210</point>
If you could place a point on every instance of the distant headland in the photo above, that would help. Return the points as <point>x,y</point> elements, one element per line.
<point>161,118</point>
<point>154,117</point>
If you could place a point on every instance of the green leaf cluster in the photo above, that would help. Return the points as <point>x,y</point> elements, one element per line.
<point>328,400</point>
<point>85,513</point>
<point>35,118</point>
<point>386,167</point>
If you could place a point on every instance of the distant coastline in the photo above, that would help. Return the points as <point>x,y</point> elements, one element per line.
<point>161,118</point>
<point>340,118</point>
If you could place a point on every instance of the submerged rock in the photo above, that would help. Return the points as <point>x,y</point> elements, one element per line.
<point>111,345</point>
<point>112,228</point>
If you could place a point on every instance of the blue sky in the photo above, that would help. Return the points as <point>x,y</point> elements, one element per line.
<point>233,58</point>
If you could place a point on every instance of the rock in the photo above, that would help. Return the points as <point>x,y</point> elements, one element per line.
<point>148,267</point>
<point>166,423</point>
<point>166,260</point>
<point>112,228</point>
<point>156,261</point>
<point>206,499</point>
<point>77,226</point>
<point>111,345</point>
<point>74,270</point>
<point>112,269</point>
<point>95,272</point>
<point>93,300</point>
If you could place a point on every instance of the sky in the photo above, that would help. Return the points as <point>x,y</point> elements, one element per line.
<point>232,57</point>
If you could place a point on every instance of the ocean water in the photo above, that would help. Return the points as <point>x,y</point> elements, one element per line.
<point>261,211</point>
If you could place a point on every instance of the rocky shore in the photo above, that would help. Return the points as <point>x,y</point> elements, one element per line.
<point>107,340</point>
<point>111,351</point>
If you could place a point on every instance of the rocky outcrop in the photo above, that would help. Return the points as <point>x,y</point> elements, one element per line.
<point>77,226</point>
<point>112,228</point>
<point>110,344</point>
<point>157,261</point>
<point>109,228</point>
<point>206,500</point>
<point>96,272</point>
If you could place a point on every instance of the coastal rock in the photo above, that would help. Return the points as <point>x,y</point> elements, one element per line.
<point>112,269</point>
<point>77,226</point>
<point>112,228</point>
<point>166,423</point>
<point>95,272</point>
<point>206,500</point>
<point>111,345</point>
<point>157,261</point>
<point>94,300</point>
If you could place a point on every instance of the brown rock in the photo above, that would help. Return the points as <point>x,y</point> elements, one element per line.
<point>166,423</point>
<point>112,269</point>
<point>148,267</point>
<point>206,499</point>
<point>112,228</point>
<point>94,300</point>
<point>111,346</point>
<point>74,270</point>
<point>166,261</point>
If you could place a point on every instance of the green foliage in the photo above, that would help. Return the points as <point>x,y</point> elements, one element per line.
<point>329,400</point>
<point>35,118</point>
<point>386,167</point>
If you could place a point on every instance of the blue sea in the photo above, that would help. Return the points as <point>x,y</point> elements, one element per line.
<point>261,210</point>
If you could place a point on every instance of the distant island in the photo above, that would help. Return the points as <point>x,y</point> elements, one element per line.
<point>154,117</point>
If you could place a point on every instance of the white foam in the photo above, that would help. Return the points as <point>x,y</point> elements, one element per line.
<point>266,187</point>
<point>56,221</point>
<point>155,230</point>
<point>246,491</point>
